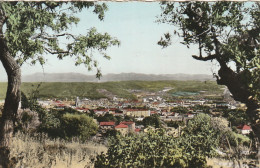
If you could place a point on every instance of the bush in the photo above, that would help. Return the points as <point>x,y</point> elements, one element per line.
<point>154,149</point>
<point>157,149</point>
<point>175,124</point>
<point>152,120</point>
<point>27,121</point>
<point>80,125</point>
<point>51,123</point>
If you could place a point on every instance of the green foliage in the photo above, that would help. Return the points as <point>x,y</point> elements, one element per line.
<point>118,119</point>
<point>157,149</point>
<point>129,118</point>
<point>152,120</point>
<point>181,110</point>
<point>201,134</point>
<point>154,149</point>
<point>106,117</point>
<point>90,90</point>
<point>51,123</point>
<point>205,109</point>
<point>34,29</point>
<point>237,140</point>
<point>67,123</point>
<point>30,102</point>
<point>236,116</point>
<point>27,121</point>
<point>24,101</point>
<point>111,133</point>
<point>227,32</point>
<point>78,125</point>
<point>175,124</point>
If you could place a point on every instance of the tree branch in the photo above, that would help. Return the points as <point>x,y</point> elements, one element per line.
<point>210,57</point>
<point>56,52</point>
<point>46,36</point>
<point>66,34</point>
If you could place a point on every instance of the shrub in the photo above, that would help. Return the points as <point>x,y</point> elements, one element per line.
<point>157,149</point>
<point>78,125</point>
<point>152,120</point>
<point>154,149</point>
<point>27,121</point>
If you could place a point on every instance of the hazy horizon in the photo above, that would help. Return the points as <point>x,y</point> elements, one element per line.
<point>42,77</point>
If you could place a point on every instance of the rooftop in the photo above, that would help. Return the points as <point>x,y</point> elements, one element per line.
<point>107,123</point>
<point>121,126</point>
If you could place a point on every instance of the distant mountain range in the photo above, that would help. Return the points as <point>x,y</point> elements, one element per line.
<point>78,77</point>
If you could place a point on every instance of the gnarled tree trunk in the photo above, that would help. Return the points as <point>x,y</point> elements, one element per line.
<point>11,101</point>
<point>241,92</point>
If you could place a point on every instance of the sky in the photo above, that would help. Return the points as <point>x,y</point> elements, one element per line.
<point>134,24</point>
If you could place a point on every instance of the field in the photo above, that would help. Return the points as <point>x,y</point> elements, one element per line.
<point>120,89</point>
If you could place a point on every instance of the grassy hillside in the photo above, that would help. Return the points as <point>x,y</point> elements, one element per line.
<point>40,151</point>
<point>91,90</point>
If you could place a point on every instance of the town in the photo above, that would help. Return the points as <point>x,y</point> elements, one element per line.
<point>127,116</point>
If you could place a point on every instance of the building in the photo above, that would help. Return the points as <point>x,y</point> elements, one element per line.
<point>130,125</point>
<point>245,129</point>
<point>107,125</point>
<point>137,112</point>
<point>123,129</point>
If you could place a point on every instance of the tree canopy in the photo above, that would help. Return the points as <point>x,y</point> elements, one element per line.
<point>34,29</point>
<point>227,32</point>
<point>31,30</point>
<point>199,140</point>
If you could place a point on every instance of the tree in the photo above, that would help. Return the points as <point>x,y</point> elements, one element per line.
<point>225,32</point>
<point>154,149</point>
<point>29,31</point>
<point>157,149</point>
<point>78,125</point>
<point>106,117</point>
<point>152,120</point>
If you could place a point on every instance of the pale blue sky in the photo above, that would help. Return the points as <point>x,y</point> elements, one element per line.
<point>133,23</point>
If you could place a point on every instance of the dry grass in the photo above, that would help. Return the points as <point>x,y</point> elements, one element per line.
<point>224,163</point>
<point>41,152</point>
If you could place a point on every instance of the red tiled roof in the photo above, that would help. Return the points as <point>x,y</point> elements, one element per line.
<point>137,130</point>
<point>127,122</point>
<point>121,126</point>
<point>79,108</point>
<point>61,105</point>
<point>246,127</point>
<point>135,110</point>
<point>102,110</point>
<point>107,123</point>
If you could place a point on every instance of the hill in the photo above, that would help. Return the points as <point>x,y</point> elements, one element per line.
<point>120,89</point>
<point>78,77</point>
